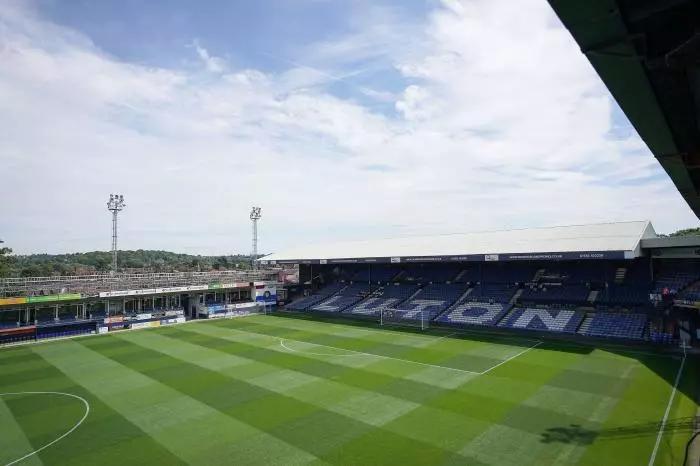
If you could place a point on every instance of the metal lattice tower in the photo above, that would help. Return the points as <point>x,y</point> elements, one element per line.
<point>115,205</point>
<point>254,217</point>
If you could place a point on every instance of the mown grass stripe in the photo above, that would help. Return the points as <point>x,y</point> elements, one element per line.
<point>635,420</point>
<point>14,443</point>
<point>331,394</point>
<point>433,392</point>
<point>404,355</point>
<point>373,377</point>
<point>193,431</point>
<point>154,346</point>
<point>477,417</point>
<point>317,392</point>
<point>438,354</point>
<point>104,438</point>
<point>519,422</point>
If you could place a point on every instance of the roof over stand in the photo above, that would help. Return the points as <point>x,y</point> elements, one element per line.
<point>598,241</point>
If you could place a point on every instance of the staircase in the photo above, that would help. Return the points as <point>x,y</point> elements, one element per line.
<point>398,276</point>
<point>592,296</point>
<point>538,275</point>
<point>620,275</point>
<point>585,324</point>
<point>506,318</point>
<point>413,295</point>
<point>460,300</point>
<point>460,275</point>
<point>516,296</point>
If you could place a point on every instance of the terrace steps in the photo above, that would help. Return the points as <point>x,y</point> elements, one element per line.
<point>504,320</point>
<point>460,275</point>
<point>464,296</point>
<point>516,296</point>
<point>592,296</point>
<point>620,274</point>
<point>415,293</point>
<point>538,275</point>
<point>461,300</point>
<point>585,324</point>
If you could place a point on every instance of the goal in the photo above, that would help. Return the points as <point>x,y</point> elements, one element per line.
<point>419,318</point>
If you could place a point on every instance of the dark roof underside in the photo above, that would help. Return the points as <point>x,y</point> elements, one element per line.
<point>647,53</point>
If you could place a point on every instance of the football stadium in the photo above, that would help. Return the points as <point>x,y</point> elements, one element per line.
<point>553,345</point>
<point>562,345</point>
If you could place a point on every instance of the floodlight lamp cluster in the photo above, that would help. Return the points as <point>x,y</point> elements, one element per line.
<point>255,214</point>
<point>116,202</point>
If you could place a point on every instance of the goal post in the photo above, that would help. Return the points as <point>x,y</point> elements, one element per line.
<point>419,318</point>
<point>263,307</point>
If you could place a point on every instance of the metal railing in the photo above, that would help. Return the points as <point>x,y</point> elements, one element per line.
<point>92,285</point>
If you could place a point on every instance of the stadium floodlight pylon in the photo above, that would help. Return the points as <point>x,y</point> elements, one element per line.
<point>255,215</point>
<point>397,317</point>
<point>115,205</point>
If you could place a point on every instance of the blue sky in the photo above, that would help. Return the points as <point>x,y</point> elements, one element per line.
<point>266,35</point>
<point>343,120</point>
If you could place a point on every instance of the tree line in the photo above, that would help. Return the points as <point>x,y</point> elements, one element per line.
<point>39,265</point>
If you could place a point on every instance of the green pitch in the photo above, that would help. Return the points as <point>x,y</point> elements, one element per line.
<point>280,390</point>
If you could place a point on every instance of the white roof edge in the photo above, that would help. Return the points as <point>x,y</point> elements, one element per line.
<point>608,236</point>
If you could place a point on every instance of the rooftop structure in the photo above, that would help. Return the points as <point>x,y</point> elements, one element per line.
<point>597,241</point>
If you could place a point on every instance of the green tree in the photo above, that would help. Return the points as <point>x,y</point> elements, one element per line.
<point>5,261</point>
<point>687,232</point>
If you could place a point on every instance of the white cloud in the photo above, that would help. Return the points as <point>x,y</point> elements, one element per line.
<point>212,63</point>
<point>501,123</point>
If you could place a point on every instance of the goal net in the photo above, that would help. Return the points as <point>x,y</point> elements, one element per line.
<point>419,318</point>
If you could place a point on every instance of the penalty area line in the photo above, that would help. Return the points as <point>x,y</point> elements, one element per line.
<point>511,358</point>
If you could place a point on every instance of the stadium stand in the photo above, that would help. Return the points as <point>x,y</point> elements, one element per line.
<point>556,293</point>
<point>384,298</point>
<point>550,320</point>
<point>678,278</point>
<point>468,274</point>
<point>430,273</point>
<point>475,313</point>
<point>691,293</point>
<point>343,299</point>
<point>320,295</point>
<point>433,299</point>
<point>378,274</point>
<point>625,295</point>
<point>508,272</point>
<point>617,325</point>
<point>496,292</point>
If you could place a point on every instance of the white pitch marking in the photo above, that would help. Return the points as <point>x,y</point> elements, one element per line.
<point>353,353</point>
<point>87,411</point>
<point>446,336</point>
<point>652,458</point>
<point>372,354</point>
<point>464,371</point>
<point>512,357</point>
